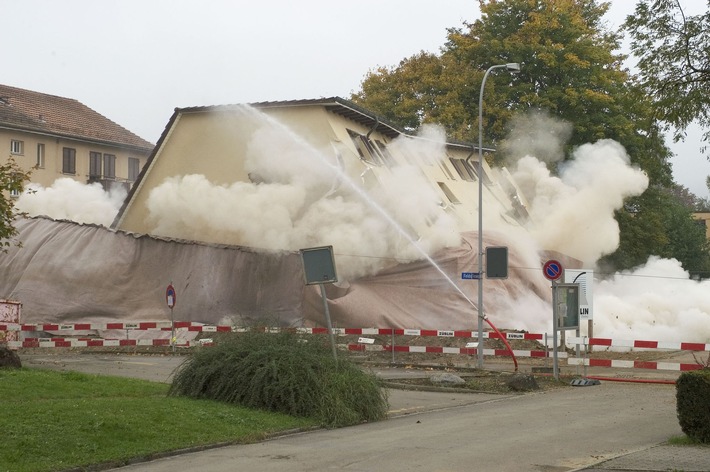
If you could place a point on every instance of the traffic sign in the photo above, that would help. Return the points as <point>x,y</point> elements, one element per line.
<point>470,275</point>
<point>497,262</point>
<point>552,270</point>
<point>170,296</point>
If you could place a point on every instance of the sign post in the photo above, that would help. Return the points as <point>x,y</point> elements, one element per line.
<point>552,270</point>
<point>319,269</point>
<point>170,299</point>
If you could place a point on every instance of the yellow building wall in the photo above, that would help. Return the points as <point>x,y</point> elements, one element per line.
<point>214,143</point>
<point>51,167</point>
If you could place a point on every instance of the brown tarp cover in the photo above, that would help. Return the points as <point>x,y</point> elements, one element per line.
<point>67,273</point>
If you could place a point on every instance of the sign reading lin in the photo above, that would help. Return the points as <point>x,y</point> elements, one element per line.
<point>585,279</point>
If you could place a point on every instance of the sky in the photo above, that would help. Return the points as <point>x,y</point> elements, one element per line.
<point>135,61</point>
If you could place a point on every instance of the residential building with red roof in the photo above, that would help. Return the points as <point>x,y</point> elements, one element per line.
<point>61,137</point>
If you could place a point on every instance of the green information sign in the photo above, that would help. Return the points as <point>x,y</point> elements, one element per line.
<point>319,265</point>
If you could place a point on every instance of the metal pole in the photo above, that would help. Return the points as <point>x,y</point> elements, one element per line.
<point>555,366</point>
<point>172,329</point>
<point>480,217</point>
<point>513,67</point>
<point>327,319</point>
<point>392,345</point>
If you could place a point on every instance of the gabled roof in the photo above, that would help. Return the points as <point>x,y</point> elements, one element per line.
<point>339,106</point>
<point>336,105</point>
<point>30,111</point>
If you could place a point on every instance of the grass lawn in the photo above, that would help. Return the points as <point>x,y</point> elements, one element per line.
<point>52,421</point>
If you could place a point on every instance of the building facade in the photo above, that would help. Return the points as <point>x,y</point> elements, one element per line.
<point>61,137</point>
<point>214,141</point>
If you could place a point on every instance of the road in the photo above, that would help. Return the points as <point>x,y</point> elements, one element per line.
<point>554,431</point>
<point>558,430</point>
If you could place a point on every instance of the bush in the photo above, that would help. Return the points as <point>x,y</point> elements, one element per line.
<point>9,359</point>
<point>693,404</point>
<point>286,373</point>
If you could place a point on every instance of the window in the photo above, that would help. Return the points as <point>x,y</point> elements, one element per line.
<point>464,169</point>
<point>134,168</point>
<point>449,194</point>
<point>446,170</point>
<point>40,155</point>
<point>15,181</point>
<point>16,147</point>
<point>68,161</point>
<point>109,166</point>
<point>368,151</point>
<point>94,165</point>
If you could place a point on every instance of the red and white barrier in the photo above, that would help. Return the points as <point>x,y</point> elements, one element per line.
<point>623,364</point>
<point>449,350</point>
<point>199,327</point>
<point>74,342</point>
<point>163,326</point>
<point>674,346</point>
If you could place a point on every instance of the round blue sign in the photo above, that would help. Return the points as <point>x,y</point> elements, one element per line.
<point>552,270</point>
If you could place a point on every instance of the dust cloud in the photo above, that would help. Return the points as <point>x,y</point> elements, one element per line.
<point>573,213</point>
<point>304,198</point>
<point>67,199</point>
<point>657,301</point>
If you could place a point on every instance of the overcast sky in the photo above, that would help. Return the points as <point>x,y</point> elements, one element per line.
<point>134,61</point>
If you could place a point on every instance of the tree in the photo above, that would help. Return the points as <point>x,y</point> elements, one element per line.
<point>674,62</point>
<point>688,199</point>
<point>659,223</point>
<point>569,71</point>
<point>424,88</point>
<point>12,178</point>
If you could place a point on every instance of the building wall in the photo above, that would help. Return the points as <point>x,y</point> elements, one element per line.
<point>50,164</point>
<point>216,143</point>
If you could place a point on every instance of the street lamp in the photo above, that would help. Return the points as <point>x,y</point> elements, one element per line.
<point>513,68</point>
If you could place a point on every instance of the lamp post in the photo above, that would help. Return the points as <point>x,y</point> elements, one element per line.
<point>514,68</point>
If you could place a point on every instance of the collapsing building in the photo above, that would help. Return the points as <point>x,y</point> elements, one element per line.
<point>229,195</point>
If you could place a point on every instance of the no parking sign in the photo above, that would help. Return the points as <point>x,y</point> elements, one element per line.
<point>552,270</point>
<point>170,296</point>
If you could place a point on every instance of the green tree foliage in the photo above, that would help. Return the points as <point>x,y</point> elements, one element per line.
<point>689,199</point>
<point>674,61</point>
<point>570,71</point>
<point>659,223</point>
<point>12,179</point>
<point>424,88</point>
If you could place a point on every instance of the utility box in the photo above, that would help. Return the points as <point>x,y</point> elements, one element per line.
<point>567,306</point>
<point>497,262</point>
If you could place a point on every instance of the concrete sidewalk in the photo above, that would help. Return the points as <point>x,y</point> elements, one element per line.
<point>659,458</point>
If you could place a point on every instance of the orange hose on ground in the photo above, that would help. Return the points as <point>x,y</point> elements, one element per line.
<point>505,341</point>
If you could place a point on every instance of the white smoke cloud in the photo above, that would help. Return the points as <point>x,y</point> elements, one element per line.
<point>656,302</point>
<point>574,213</point>
<point>68,199</point>
<point>303,198</point>
<point>536,134</point>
